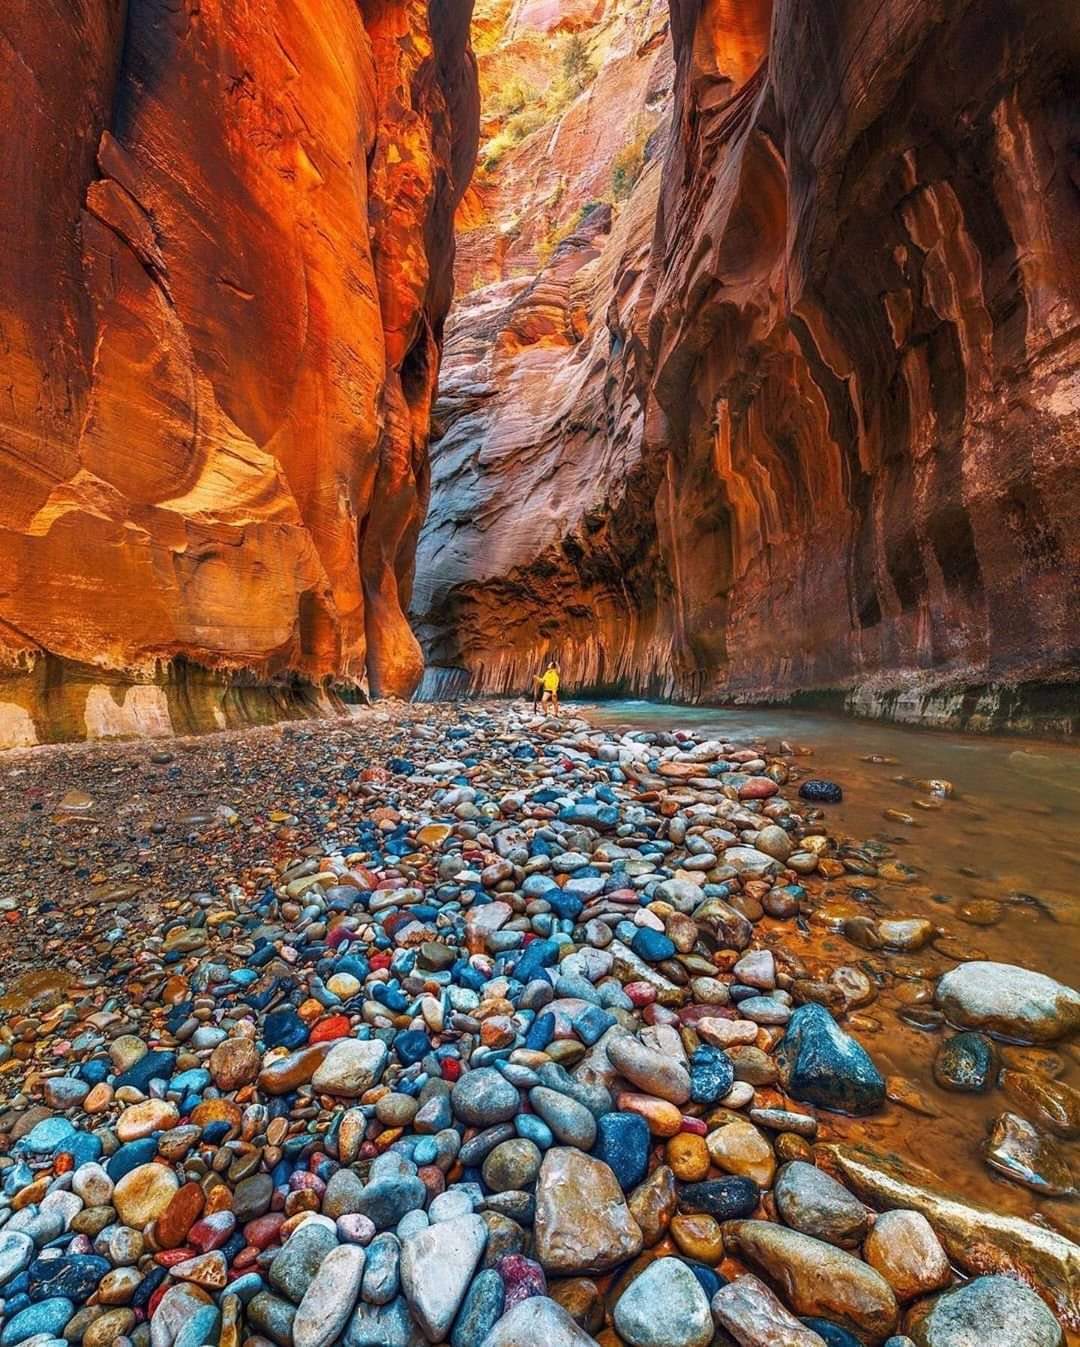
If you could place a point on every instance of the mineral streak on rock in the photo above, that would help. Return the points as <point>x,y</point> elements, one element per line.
<point>228,253</point>
<point>801,412</point>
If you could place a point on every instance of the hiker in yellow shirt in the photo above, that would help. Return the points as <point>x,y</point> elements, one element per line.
<point>546,687</point>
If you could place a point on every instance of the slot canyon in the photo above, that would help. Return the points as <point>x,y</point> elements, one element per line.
<point>761,381</point>
<point>540,673</point>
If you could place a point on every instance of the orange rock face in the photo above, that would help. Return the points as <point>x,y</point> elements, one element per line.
<point>802,412</point>
<point>227,259</point>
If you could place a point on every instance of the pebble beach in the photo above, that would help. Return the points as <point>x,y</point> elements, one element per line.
<point>456,1024</point>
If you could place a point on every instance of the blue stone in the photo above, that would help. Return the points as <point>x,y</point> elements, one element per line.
<point>200,1327</point>
<point>821,792</point>
<point>709,1280</point>
<point>480,1310</point>
<point>284,1029</point>
<point>73,1276</point>
<point>49,1136</point>
<point>592,1024</point>
<point>146,1288</point>
<point>652,946</point>
<point>95,1072</point>
<point>537,956</point>
<point>46,1316</point>
<point>822,1065</point>
<point>541,1032</point>
<point>84,1147</point>
<point>130,1156</point>
<point>712,1074</point>
<point>833,1334</point>
<point>426,1151</point>
<point>412,1046</point>
<point>622,1142</point>
<point>195,1080</point>
<point>534,1129</point>
<point>565,905</point>
<point>158,1064</point>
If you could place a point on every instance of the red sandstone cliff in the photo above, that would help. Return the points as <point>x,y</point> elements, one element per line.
<point>804,414</point>
<point>227,251</point>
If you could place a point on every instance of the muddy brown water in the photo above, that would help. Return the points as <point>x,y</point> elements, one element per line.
<point>1010,835</point>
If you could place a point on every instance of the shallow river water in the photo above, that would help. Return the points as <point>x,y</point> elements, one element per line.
<point>1005,846</point>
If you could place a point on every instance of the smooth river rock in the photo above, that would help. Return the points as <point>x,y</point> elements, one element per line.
<point>664,1307</point>
<point>818,1279</point>
<point>537,1322</point>
<point>985,1313</point>
<point>437,1265</point>
<point>582,1221</point>
<point>756,1318</point>
<point>976,1238</point>
<point>1009,1002</point>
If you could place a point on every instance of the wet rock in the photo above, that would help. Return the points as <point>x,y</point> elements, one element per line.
<point>821,1064</point>
<point>988,1310</point>
<point>966,1062</point>
<point>756,1318</point>
<point>1008,1002</point>
<point>812,1202</point>
<point>652,1205</point>
<point>664,1307</point>
<point>1022,1153</point>
<point>726,1199</point>
<point>819,1279</point>
<point>902,1246</point>
<point>582,1221</point>
<point>976,1238</point>
<point>818,791</point>
<point>1050,1103</point>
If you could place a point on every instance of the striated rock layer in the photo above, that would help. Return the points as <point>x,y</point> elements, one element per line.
<point>802,412</point>
<point>227,240</point>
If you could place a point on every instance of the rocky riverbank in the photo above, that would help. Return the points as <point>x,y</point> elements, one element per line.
<point>451,1025</point>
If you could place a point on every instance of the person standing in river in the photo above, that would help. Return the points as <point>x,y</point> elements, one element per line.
<point>546,687</point>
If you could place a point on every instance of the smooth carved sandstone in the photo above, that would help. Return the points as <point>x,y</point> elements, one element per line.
<point>801,411</point>
<point>225,282</point>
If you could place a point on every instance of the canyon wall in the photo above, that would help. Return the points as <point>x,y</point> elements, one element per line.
<point>800,412</point>
<point>228,246</point>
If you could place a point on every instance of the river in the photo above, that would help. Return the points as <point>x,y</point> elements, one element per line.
<point>1003,849</point>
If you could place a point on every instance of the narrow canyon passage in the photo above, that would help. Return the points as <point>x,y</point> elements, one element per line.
<point>762,377</point>
<point>480,478</point>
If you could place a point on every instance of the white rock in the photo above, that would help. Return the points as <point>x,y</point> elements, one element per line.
<point>351,1067</point>
<point>437,1265</point>
<point>330,1297</point>
<point>537,1322</point>
<point>1008,1001</point>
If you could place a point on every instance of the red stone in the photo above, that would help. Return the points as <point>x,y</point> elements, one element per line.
<point>263,1230</point>
<point>334,1026</point>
